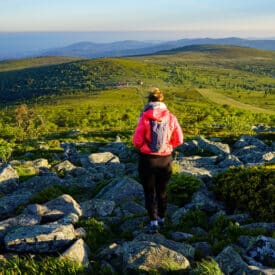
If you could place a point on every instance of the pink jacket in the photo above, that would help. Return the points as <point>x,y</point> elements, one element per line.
<point>156,111</point>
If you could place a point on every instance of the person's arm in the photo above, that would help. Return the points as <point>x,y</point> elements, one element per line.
<point>177,135</point>
<point>139,135</point>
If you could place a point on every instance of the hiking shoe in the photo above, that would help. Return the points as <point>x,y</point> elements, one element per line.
<point>151,229</point>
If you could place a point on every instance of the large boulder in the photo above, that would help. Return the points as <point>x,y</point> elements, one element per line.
<point>64,167</point>
<point>119,149</point>
<point>9,179</point>
<point>148,256</point>
<point>263,250</point>
<point>45,238</point>
<point>56,209</point>
<point>21,220</point>
<point>120,190</point>
<point>78,252</point>
<point>204,200</point>
<point>183,248</point>
<point>246,140</point>
<point>265,226</point>
<point>10,203</point>
<point>231,262</point>
<point>217,148</point>
<point>97,208</point>
<point>103,158</point>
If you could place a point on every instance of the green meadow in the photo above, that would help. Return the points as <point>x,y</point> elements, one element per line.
<point>217,91</point>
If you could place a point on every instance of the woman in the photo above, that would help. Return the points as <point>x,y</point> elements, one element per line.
<point>156,135</point>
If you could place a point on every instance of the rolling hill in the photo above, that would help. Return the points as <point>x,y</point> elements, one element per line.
<point>231,68</point>
<point>126,48</point>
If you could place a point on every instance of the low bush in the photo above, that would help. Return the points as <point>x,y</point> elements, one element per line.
<point>5,150</point>
<point>181,188</point>
<point>248,189</point>
<point>97,233</point>
<point>207,267</point>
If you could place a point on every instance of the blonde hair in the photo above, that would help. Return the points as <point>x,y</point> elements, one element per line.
<point>156,95</point>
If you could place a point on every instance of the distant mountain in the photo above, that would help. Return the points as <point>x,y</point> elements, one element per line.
<point>89,49</point>
<point>131,47</point>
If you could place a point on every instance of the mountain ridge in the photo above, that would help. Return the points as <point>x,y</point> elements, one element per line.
<point>132,47</point>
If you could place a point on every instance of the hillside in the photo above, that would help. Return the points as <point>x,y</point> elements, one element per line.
<point>214,90</point>
<point>223,67</point>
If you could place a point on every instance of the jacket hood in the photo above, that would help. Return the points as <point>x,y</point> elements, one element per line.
<point>155,111</point>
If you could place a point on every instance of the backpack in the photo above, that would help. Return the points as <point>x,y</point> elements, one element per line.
<point>160,134</point>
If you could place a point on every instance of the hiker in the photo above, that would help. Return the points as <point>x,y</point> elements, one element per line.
<point>156,135</point>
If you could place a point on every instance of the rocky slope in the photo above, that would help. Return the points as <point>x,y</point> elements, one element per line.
<point>52,227</point>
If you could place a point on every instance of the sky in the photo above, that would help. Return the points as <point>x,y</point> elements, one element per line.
<point>156,18</point>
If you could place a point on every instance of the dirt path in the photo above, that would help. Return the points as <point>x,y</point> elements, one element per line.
<point>223,99</point>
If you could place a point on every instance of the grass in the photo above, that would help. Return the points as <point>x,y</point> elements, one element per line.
<point>223,99</point>
<point>19,64</point>
<point>48,265</point>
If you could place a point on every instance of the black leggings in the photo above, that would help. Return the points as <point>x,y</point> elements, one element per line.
<point>154,173</point>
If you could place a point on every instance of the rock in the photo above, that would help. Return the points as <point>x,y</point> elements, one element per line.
<point>97,208</point>
<point>121,189</point>
<point>230,160</point>
<point>41,163</point>
<point>245,241</point>
<point>133,224</point>
<point>204,200</point>
<point>10,203</point>
<point>266,227</point>
<point>21,220</point>
<point>189,148</point>
<point>64,167</point>
<point>131,208</point>
<point>250,155</point>
<point>113,254</point>
<point>9,179</point>
<point>183,248</point>
<point>217,148</point>
<point>78,252</point>
<point>106,157</point>
<point>70,218</point>
<point>246,140</point>
<point>204,249</point>
<point>231,262</point>
<point>263,250</point>
<point>38,183</point>
<point>119,149</point>
<point>83,181</point>
<point>45,238</point>
<point>111,170</point>
<point>201,167</point>
<point>57,209</point>
<point>180,236</point>
<point>269,157</point>
<point>148,256</point>
<point>239,218</point>
<point>176,217</point>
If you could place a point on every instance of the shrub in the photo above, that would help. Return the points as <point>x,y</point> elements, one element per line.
<point>248,189</point>
<point>207,267</point>
<point>181,188</point>
<point>97,233</point>
<point>5,150</point>
<point>194,218</point>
